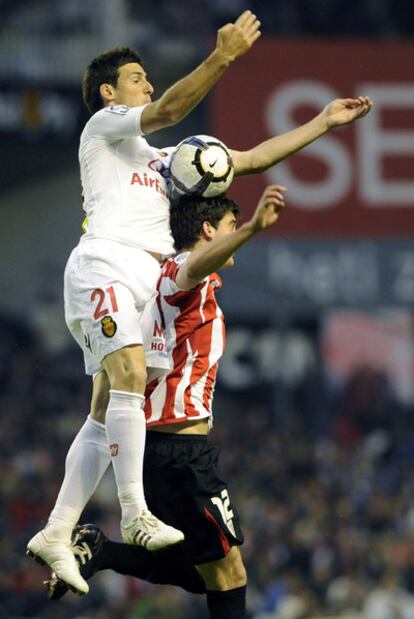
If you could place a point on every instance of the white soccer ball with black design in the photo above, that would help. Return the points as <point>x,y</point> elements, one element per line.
<point>202,166</point>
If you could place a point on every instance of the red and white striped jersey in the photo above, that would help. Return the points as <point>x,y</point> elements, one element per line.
<point>195,335</point>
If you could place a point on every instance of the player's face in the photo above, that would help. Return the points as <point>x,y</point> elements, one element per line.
<point>132,88</point>
<point>226,225</point>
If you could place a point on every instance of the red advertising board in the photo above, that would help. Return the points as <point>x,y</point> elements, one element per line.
<point>357,180</point>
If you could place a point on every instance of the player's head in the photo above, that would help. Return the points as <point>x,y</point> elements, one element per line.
<point>116,77</point>
<point>196,220</point>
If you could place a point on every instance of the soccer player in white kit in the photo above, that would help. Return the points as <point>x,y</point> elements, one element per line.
<point>110,280</point>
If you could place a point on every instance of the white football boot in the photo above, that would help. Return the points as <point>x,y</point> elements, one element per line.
<point>58,555</point>
<point>147,531</point>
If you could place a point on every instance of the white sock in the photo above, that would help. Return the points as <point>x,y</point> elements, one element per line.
<point>125,430</point>
<point>86,463</point>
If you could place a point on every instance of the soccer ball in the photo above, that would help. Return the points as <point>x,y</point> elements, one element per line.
<point>201,165</point>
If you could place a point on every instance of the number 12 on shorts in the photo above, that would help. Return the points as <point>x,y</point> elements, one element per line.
<point>104,299</point>
<point>223,505</point>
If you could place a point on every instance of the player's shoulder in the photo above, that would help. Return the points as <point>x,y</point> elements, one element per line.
<point>102,115</point>
<point>113,120</point>
<point>179,259</point>
<point>94,125</point>
<point>171,265</point>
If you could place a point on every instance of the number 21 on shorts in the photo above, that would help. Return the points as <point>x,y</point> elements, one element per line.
<point>104,299</point>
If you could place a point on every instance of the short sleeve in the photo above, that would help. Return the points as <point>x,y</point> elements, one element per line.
<point>169,274</point>
<point>116,122</point>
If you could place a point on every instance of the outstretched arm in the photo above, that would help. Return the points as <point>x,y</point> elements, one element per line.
<point>233,40</point>
<point>267,154</point>
<point>213,255</point>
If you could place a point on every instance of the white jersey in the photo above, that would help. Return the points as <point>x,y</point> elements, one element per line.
<point>124,182</point>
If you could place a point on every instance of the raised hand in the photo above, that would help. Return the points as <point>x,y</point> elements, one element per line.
<point>344,111</point>
<point>234,40</point>
<point>269,207</point>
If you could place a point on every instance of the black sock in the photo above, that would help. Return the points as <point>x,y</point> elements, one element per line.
<point>166,567</point>
<point>229,604</point>
<point>125,559</point>
<point>173,567</point>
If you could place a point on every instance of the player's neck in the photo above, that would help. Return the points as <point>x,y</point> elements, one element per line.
<point>197,245</point>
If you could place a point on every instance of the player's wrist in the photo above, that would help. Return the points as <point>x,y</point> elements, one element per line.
<point>250,228</point>
<point>222,58</point>
<point>323,122</point>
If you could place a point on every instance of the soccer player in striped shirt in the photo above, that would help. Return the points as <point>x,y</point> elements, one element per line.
<point>181,481</point>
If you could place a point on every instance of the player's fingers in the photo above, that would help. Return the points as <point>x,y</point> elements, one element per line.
<point>275,191</point>
<point>271,193</point>
<point>359,112</point>
<point>276,187</point>
<point>348,103</point>
<point>254,37</point>
<point>250,19</point>
<point>251,31</point>
<point>365,100</point>
<point>365,110</point>
<point>351,103</point>
<point>241,20</point>
<point>252,24</point>
<point>277,201</point>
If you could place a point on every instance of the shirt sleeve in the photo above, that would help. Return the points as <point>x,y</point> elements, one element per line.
<point>116,122</point>
<point>171,272</point>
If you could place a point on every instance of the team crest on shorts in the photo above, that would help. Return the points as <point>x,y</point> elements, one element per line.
<point>109,326</point>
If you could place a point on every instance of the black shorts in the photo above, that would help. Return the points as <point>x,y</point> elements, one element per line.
<point>182,488</point>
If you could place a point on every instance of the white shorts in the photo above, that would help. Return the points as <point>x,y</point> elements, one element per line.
<point>110,302</point>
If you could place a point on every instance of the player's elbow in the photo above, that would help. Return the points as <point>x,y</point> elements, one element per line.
<point>158,115</point>
<point>248,162</point>
<point>259,162</point>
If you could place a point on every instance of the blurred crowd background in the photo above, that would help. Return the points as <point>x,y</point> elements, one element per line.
<point>314,408</point>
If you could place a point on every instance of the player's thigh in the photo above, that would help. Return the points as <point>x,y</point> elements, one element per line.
<point>100,396</point>
<point>126,368</point>
<point>224,574</point>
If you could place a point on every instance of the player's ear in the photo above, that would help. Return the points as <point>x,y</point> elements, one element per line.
<point>208,230</point>
<point>107,92</point>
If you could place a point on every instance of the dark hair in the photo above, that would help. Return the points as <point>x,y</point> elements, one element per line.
<point>188,214</point>
<point>104,70</point>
